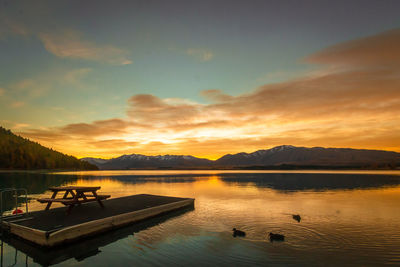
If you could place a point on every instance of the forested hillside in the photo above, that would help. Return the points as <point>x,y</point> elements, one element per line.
<point>20,153</point>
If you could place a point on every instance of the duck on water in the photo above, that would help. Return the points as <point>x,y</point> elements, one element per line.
<point>276,237</point>
<point>296,217</point>
<point>237,232</point>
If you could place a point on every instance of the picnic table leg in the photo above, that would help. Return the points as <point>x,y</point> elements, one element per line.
<point>97,198</point>
<point>66,194</point>
<point>52,196</point>
<point>82,195</point>
<point>70,208</point>
<point>75,197</point>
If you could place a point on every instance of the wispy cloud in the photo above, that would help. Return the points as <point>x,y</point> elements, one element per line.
<point>37,86</point>
<point>14,125</point>
<point>28,90</point>
<point>21,125</point>
<point>66,43</point>
<point>356,105</point>
<point>371,52</point>
<point>17,104</point>
<point>11,26</point>
<point>71,44</point>
<point>24,84</point>
<point>200,54</point>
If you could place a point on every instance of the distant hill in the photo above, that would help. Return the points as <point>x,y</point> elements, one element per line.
<point>20,153</point>
<point>137,161</point>
<point>280,157</point>
<point>95,161</point>
<point>315,156</point>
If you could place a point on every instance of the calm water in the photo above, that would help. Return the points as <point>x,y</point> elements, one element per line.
<point>347,219</point>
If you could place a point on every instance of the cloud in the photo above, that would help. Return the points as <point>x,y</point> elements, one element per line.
<point>376,51</point>
<point>355,105</point>
<point>70,44</point>
<point>17,104</point>
<point>21,125</point>
<point>216,95</point>
<point>112,143</point>
<point>97,128</point>
<point>23,84</point>
<point>200,54</point>
<point>67,43</point>
<point>18,94</point>
<point>30,20</point>
<point>10,26</point>
<point>149,108</point>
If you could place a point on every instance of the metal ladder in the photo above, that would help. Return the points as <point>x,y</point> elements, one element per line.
<point>16,195</point>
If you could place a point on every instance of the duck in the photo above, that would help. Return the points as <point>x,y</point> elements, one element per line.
<point>296,217</point>
<point>237,232</point>
<point>276,237</point>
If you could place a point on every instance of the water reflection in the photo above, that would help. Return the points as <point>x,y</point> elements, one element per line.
<point>35,182</point>
<point>278,181</point>
<point>313,181</point>
<point>345,218</point>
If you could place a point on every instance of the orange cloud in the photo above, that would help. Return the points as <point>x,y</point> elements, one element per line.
<point>216,95</point>
<point>112,126</point>
<point>354,104</point>
<point>17,104</point>
<point>161,112</point>
<point>376,51</point>
<point>70,44</point>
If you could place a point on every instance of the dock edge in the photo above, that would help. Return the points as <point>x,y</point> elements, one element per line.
<point>75,232</point>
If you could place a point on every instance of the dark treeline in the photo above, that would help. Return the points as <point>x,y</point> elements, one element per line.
<point>20,153</point>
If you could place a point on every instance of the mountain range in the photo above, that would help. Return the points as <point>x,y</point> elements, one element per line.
<point>279,157</point>
<point>137,161</point>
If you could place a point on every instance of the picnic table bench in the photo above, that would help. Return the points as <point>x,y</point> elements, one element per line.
<point>78,196</point>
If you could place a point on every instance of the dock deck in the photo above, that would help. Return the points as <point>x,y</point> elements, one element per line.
<point>55,226</point>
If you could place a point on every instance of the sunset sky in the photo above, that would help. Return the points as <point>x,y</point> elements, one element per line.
<point>205,78</point>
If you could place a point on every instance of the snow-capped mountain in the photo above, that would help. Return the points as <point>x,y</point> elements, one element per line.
<point>135,161</point>
<point>276,156</point>
<point>94,161</point>
<point>315,156</point>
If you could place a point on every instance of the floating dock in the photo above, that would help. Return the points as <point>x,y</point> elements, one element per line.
<point>55,227</point>
<point>88,246</point>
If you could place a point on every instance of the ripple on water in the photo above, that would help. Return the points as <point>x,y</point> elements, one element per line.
<point>338,226</point>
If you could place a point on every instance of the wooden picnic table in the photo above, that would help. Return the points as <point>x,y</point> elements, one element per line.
<point>79,195</point>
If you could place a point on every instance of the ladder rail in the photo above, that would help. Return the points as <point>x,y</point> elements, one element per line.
<point>15,190</point>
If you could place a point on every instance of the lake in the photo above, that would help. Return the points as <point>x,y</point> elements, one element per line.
<point>347,218</point>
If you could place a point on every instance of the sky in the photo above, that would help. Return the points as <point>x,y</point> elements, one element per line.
<point>205,78</point>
